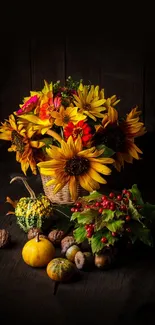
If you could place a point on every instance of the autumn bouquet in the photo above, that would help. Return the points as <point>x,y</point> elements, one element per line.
<point>70,133</point>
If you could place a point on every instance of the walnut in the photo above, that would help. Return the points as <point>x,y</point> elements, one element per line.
<point>67,242</point>
<point>33,233</point>
<point>4,238</point>
<point>55,236</point>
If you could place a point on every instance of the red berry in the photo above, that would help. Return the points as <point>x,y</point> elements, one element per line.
<point>112,208</point>
<point>76,209</point>
<point>100,210</point>
<point>86,206</point>
<point>104,240</point>
<point>126,200</point>
<point>119,197</point>
<point>111,195</point>
<point>72,209</point>
<point>128,229</point>
<point>128,193</point>
<point>114,234</point>
<point>104,197</point>
<point>97,204</point>
<point>123,208</point>
<point>124,191</point>
<point>78,204</point>
<point>89,234</point>
<point>128,218</point>
<point>86,226</point>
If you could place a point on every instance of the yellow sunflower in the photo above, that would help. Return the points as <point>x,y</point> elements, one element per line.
<point>120,136</point>
<point>21,143</point>
<point>88,101</point>
<point>66,115</point>
<point>70,164</point>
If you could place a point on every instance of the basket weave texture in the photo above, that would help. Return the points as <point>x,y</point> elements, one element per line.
<point>63,196</point>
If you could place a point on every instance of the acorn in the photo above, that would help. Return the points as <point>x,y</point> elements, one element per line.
<point>71,252</point>
<point>67,242</point>
<point>102,261</point>
<point>105,258</point>
<point>55,236</point>
<point>33,232</point>
<point>4,238</point>
<point>84,260</point>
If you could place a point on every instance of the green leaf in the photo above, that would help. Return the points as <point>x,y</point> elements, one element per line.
<point>99,223</point>
<point>48,141</point>
<point>93,196</point>
<point>119,213</point>
<point>96,244</point>
<point>134,212</point>
<point>148,210</point>
<point>108,215</point>
<point>80,234</point>
<point>137,194</point>
<point>85,217</point>
<point>111,239</point>
<point>101,220</point>
<point>108,152</point>
<point>115,225</point>
<point>75,216</point>
<point>142,233</point>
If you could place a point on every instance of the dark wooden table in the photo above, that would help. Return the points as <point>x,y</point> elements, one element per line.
<point>122,295</point>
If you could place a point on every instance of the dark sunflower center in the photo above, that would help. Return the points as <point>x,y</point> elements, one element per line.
<point>87,107</point>
<point>77,131</point>
<point>77,166</point>
<point>17,140</point>
<point>66,119</point>
<point>112,137</point>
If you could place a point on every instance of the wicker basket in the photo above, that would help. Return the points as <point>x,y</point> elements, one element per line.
<point>63,196</point>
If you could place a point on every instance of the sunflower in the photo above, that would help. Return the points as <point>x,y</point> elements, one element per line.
<point>66,115</point>
<point>120,135</point>
<point>70,164</point>
<point>21,143</point>
<point>88,101</point>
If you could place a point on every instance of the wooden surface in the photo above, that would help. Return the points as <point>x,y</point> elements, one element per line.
<point>122,295</point>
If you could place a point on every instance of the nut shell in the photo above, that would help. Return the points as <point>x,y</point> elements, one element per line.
<point>55,236</point>
<point>4,238</point>
<point>67,242</point>
<point>84,260</point>
<point>33,233</point>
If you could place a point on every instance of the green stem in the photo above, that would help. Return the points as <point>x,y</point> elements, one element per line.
<point>32,194</point>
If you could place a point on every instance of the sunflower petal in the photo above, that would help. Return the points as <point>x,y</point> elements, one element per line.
<point>73,187</point>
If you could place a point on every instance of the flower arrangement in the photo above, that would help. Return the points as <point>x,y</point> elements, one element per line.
<point>71,133</point>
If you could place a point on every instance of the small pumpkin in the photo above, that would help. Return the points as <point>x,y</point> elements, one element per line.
<point>60,269</point>
<point>38,252</point>
<point>32,211</point>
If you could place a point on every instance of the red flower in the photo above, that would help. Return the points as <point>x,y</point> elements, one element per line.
<point>81,128</point>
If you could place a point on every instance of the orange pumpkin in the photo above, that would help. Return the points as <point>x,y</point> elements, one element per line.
<point>60,269</point>
<point>38,252</point>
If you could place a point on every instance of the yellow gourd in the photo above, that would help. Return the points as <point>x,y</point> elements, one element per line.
<point>38,252</point>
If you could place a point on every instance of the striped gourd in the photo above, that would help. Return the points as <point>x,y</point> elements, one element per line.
<point>33,211</point>
<point>60,269</point>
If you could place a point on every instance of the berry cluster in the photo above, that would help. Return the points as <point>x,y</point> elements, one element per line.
<point>90,230</point>
<point>113,202</point>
